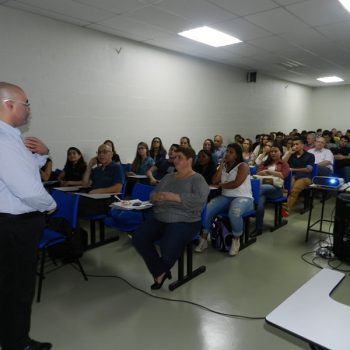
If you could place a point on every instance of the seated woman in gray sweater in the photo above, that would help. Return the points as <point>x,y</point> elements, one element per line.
<point>178,201</point>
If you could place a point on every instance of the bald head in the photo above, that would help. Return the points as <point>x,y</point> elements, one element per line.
<point>218,140</point>
<point>14,106</point>
<point>8,90</point>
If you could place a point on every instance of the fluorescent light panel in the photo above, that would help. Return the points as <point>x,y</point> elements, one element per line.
<point>346,4</point>
<point>210,36</point>
<point>332,79</point>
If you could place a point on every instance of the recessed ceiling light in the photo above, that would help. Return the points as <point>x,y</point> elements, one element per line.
<point>210,36</point>
<point>332,79</point>
<point>345,3</point>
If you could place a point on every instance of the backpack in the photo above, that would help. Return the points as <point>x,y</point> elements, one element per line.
<point>73,247</point>
<point>221,235</point>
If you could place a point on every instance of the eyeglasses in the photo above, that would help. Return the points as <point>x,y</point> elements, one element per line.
<point>26,104</point>
<point>103,152</point>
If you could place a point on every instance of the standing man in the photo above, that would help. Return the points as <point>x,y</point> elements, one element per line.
<point>219,148</point>
<point>22,205</point>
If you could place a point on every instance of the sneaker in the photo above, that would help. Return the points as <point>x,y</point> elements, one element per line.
<point>284,212</point>
<point>236,243</point>
<point>203,244</point>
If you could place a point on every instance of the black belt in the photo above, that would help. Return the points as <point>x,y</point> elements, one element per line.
<point>32,214</point>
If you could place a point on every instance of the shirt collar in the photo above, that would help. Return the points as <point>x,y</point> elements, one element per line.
<point>9,129</point>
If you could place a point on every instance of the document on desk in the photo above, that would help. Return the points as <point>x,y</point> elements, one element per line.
<point>134,204</point>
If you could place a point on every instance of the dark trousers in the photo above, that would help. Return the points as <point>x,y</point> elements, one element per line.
<point>172,237</point>
<point>19,238</point>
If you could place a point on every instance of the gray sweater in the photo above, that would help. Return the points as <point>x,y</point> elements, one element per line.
<point>193,191</point>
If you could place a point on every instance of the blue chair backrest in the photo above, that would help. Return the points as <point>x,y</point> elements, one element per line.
<point>314,171</point>
<point>255,183</point>
<point>288,182</point>
<point>252,170</point>
<point>67,206</point>
<point>141,191</point>
<point>126,167</point>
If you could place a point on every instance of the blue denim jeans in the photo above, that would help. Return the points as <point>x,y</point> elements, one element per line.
<point>266,192</point>
<point>233,206</point>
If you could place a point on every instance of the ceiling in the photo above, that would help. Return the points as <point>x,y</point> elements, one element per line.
<point>294,40</point>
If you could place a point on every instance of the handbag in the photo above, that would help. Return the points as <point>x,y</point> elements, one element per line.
<point>270,180</point>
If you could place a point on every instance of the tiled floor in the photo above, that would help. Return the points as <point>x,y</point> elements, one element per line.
<point>106,313</point>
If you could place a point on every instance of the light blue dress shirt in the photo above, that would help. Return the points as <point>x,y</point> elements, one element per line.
<point>21,189</point>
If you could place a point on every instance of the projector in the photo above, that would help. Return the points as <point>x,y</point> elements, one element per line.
<point>328,181</point>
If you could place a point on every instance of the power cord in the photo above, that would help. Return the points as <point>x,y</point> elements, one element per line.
<point>245,317</point>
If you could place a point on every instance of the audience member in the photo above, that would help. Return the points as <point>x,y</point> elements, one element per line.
<point>163,166</point>
<point>157,151</point>
<point>342,158</point>
<point>74,169</point>
<point>276,167</point>
<point>142,161</point>
<point>185,142</point>
<point>115,156</point>
<point>102,174</point>
<point>233,178</point>
<point>323,157</point>
<point>178,201</point>
<point>219,148</point>
<point>205,166</point>
<point>259,148</point>
<point>328,139</point>
<point>300,163</point>
<point>310,140</point>
<point>46,171</point>
<point>264,154</point>
<point>239,139</point>
<point>247,152</point>
<point>208,145</point>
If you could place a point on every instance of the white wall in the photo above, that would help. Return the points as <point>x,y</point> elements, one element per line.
<point>330,107</point>
<point>82,91</point>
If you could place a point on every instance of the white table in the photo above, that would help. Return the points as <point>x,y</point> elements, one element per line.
<point>310,313</point>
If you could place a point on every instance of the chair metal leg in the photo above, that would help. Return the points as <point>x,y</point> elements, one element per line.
<point>81,269</point>
<point>182,278</point>
<point>278,221</point>
<point>246,240</point>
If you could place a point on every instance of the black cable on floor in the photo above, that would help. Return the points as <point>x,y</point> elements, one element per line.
<point>180,300</point>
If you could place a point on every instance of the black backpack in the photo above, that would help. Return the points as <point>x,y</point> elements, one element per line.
<point>221,235</point>
<point>73,247</point>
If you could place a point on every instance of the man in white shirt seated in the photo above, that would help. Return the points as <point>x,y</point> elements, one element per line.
<point>323,157</point>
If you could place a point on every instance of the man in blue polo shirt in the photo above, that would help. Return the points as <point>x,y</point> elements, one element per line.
<point>300,163</point>
<point>103,176</point>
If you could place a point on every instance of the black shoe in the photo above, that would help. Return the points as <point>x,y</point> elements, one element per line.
<point>36,345</point>
<point>255,233</point>
<point>157,285</point>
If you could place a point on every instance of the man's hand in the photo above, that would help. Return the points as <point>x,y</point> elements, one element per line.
<point>35,145</point>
